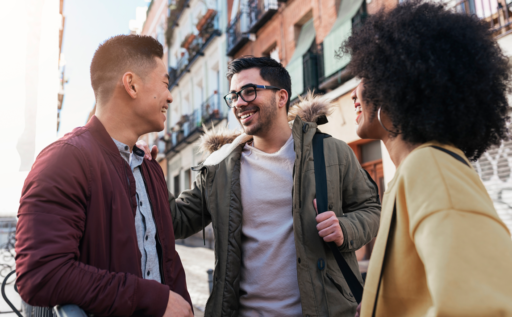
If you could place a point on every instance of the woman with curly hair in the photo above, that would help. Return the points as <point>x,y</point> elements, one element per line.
<point>434,90</point>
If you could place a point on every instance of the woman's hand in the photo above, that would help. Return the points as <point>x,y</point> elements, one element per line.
<point>147,153</point>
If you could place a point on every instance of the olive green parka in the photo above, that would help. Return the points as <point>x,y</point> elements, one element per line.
<point>216,198</point>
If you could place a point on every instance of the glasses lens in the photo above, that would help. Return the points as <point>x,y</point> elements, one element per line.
<point>249,94</point>
<point>230,99</point>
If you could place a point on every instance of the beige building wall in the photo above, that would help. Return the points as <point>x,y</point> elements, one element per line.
<point>155,26</point>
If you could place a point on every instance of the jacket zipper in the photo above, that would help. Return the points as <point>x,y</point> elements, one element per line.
<point>129,193</point>
<point>127,181</point>
<point>304,130</point>
<point>204,203</point>
<point>160,260</point>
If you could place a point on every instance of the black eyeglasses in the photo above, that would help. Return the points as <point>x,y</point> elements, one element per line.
<point>248,94</point>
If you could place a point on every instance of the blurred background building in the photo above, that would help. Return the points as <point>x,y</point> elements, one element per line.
<point>201,36</point>
<point>32,90</point>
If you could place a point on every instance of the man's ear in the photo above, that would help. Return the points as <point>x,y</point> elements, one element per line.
<point>283,98</point>
<point>130,84</point>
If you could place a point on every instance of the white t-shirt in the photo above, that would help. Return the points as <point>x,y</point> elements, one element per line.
<point>268,283</point>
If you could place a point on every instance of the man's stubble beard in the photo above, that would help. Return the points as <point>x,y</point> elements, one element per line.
<point>266,118</point>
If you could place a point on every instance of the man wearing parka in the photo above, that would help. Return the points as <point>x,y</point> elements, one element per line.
<point>217,197</point>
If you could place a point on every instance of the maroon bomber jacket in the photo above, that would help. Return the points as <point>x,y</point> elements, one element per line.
<point>76,239</point>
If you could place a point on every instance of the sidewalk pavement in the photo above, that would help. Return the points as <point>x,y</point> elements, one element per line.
<point>196,261</point>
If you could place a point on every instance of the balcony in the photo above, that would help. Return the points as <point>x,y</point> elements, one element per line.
<point>173,74</point>
<point>496,14</point>
<point>237,33</point>
<point>260,12</point>
<point>194,44</point>
<point>248,21</point>
<point>176,8</point>
<point>190,127</point>
<point>210,109</point>
<point>186,131</point>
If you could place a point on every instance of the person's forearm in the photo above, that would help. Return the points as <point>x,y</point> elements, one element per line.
<point>359,227</point>
<point>189,213</point>
<point>95,291</point>
<point>49,274</point>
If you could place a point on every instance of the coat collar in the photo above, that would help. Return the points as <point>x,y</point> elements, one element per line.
<point>311,110</point>
<point>101,135</point>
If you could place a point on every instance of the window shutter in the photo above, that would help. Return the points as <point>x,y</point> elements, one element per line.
<point>306,37</point>
<point>340,31</point>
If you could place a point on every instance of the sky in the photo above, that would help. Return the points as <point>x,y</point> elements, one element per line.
<point>88,24</point>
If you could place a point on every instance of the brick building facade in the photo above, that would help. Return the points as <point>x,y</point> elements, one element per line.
<point>280,35</point>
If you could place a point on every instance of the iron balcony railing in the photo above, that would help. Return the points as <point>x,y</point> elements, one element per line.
<point>185,127</point>
<point>249,20</point>
<point>173,74</point>
<point>210,109</point>
<point>194,44</point>
<point>496,13</point>
<point>237,33</point>
<point>176,8</point>
<point>260,12</point>
<point>190,127</point>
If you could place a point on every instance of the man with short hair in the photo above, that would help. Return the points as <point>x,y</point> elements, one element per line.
<point>258,190</point>
<point>94,225</point>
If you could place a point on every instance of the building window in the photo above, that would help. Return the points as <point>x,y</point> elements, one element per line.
<point>295,65</point>
<point>369,154</point>
<point>177,185</point>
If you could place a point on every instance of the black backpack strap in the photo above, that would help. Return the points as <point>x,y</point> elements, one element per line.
<point>321,201</point>
<point>393,217</point>
<point>453,154</point>
<point>388,242</point>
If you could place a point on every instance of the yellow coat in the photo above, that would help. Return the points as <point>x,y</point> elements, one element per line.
<point>450,254</point>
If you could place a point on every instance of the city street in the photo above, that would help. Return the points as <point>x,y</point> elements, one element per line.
<point>196,261</point>
<point>67,89</point>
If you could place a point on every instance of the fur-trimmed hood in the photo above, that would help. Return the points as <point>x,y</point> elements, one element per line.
<point>311,108</point>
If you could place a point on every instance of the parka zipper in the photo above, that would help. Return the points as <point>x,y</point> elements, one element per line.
<point>204,204</point>
<point>305,129</point>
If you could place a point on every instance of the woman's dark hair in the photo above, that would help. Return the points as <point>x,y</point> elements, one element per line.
<point>270,70</point>
<point>438,75</point>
